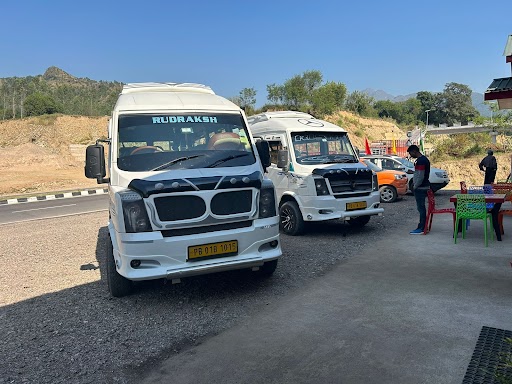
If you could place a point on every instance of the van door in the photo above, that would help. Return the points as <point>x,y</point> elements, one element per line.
<point>277,175</point>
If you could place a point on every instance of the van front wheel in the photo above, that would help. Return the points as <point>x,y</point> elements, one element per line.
<point>290,219</point>
<point>118,285</point>
<point>267,269</point>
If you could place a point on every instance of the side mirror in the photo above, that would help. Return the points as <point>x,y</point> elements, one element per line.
<point>95,163</point>
<point>264,153</point>
<point>282,159</point>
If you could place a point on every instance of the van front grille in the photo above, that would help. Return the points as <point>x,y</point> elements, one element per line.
<point>229,203</point>
<point>186,207</point>
<point>171,208</point>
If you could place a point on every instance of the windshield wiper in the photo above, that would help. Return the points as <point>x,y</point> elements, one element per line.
<point>227,158</point>
<point>169,163</point>
<point>340,159</point>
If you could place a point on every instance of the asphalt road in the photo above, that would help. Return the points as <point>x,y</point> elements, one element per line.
<point>45,209</point>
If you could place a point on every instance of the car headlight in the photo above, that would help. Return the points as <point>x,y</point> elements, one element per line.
<point>321,187</point>
<point>441,174</point>
<point>134,212</point>
<point>375,182</point>
<point>398,177</point>
<point>267,200</point>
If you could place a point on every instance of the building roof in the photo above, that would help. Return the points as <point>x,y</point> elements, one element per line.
<point>500,90</point>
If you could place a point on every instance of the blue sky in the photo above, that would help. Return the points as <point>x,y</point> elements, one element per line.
<point>400,46</point>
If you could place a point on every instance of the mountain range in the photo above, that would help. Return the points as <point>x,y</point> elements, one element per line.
<point>477,99</point>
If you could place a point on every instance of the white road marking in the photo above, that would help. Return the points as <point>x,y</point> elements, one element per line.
<point>38,209</point>
<point>53,217</point>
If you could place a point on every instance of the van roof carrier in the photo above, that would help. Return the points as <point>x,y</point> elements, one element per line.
<point>166,87</point>
<point>280,114</point>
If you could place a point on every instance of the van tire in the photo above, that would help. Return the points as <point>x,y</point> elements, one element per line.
<point>118,285</point>
<point>268,268</point>
<point>290,219</point>
<point>388,194</point>
<point>359,221</point>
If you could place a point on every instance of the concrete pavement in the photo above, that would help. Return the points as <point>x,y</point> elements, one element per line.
<point>408,309</point>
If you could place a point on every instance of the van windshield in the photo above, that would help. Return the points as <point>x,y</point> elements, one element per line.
<point>156,142</point>
<point>322,148</point>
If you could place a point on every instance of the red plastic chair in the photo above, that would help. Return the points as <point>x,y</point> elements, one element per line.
<point>431,211</point>
<point>506,189</point>
<point>502,213</point>
<point>463,187</point>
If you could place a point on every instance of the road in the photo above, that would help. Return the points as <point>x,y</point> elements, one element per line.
<point>45,209</point>
<point>344,306</point>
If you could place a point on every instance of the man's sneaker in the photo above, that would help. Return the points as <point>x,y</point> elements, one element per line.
<point>417,231</point>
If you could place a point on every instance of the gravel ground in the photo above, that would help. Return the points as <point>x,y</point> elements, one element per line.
<point>59,324</point>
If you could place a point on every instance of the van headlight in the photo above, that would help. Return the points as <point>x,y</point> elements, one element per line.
<point>267,203</point>
<point>134,212</point>
<point>375,182</point>
<point>321,187</point>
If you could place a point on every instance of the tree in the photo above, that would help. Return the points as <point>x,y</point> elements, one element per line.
<point>296,93</point>
<point>455,104</point>
<point>247,99</point>
<point>411,109</point>
<point>38,104</point>
<point>388,108</point>
<point>360,103</point>
<point>275,93</point>
<point>328,98</point>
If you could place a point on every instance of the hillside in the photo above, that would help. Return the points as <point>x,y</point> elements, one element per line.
<point>36,153</point>
<point>72,95</point>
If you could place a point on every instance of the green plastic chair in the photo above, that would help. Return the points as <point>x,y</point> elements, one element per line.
<point>472,206</point>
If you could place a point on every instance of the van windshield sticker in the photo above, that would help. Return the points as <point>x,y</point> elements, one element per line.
<point>183,119</point>
<point>317,137</point>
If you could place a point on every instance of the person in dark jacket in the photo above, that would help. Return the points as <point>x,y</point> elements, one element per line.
<point>489,166</point>
<point>420,185</point>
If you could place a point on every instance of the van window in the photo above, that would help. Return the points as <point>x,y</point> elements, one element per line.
<point>153,142</point>
<point>275,147</point>
<point>322,148</point>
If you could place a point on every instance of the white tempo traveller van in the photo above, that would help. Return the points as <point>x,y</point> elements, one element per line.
<point>187,189</point>
<point>316,171</point>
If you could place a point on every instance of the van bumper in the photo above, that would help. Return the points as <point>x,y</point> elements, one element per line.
<point>320,208</point>
<point>167,257</point>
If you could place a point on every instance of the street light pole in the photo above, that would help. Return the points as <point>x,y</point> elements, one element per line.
<point>422,140</point>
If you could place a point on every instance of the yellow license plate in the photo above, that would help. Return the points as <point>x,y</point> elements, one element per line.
<point>213,249</point>
<point>356,205</point>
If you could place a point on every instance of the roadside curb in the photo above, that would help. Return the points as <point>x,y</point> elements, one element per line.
<point>86,192</point>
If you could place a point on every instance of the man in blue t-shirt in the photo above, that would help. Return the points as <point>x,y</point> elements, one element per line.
<point>420,185</point>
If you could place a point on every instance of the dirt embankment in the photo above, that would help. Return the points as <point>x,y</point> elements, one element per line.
<point>35,153</point>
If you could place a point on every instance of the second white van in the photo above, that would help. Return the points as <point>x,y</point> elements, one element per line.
<point>316,171</point>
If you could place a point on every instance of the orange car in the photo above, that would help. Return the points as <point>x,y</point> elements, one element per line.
<point>391,183</point>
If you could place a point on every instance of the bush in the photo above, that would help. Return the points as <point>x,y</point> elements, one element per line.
<point>38,104</point>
